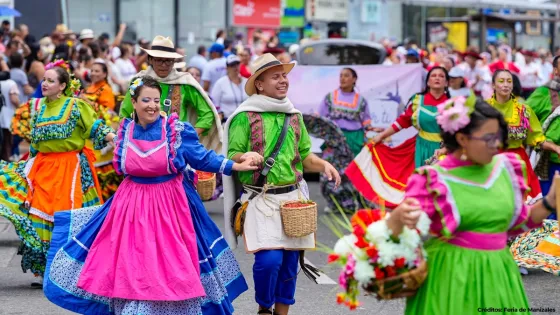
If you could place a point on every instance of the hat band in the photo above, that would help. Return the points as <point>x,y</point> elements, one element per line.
<point>163,48</point>
<point>272,63</point>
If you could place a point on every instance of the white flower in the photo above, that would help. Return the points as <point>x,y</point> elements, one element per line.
<point>409,238</point>
<point>388,252</point>
<point>345,245</point>
<point>378,232</point>
<point>423,224</point>
<point>363,271</point>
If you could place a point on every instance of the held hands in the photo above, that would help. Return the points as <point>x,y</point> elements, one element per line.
<point>246,165</point>
<point>255,158</point>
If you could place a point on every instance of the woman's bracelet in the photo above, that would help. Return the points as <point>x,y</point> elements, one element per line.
<point>547,206</point>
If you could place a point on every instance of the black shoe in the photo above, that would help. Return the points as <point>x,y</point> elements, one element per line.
<point>265,311</point>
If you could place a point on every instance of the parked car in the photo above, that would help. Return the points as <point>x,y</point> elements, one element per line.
<point>340,52</point>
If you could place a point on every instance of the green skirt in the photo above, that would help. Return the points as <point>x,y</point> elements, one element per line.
<point>425,149</point>
<point>468,281</point>
<point>355,140</point>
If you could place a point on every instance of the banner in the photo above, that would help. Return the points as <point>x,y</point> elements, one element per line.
<point>386,89</point>
<point>261,13</point>
<point>455,34</point>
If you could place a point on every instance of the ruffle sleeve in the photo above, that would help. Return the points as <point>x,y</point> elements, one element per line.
<point>119,142</point>
<point>521,220</point>
<point>95,129</point>
<point>435,200</point>
<point>187,150</point>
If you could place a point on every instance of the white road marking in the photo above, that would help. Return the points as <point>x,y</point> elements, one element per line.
<point>323,279</point>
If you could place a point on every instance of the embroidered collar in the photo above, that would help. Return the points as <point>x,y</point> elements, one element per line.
<point>352,105</point>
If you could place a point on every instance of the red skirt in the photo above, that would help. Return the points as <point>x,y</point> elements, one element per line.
<point>532,178</point>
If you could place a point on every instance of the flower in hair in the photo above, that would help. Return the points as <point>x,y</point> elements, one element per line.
<point>453,114</point>
<point>58,63</point>
<point>73,88</point>
<point>135,84</point>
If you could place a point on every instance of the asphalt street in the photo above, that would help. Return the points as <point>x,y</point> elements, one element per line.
<point>18,298</point>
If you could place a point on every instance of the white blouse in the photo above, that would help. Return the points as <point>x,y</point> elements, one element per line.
<point>227,96</point>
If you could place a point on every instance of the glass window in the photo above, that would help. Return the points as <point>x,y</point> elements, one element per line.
<point>148,18</point>
<point>98,15</point>
<point>330,54</point>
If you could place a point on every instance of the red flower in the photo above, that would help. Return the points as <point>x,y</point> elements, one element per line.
<point>364,217</point>
<point>361,243</point>
<point>391,272</point>
<point>332,258</point>
<point>371,252</point>
<point>359,231</point>
<point>399,262</point>
<point>378,273</point>
<point>353,306</point>
<point>340,298</point>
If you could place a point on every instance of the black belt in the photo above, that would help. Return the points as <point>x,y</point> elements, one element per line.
<point>276,191</point>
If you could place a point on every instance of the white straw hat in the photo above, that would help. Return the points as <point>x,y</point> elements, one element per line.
<point>259,66</point>
<point>162,47</point>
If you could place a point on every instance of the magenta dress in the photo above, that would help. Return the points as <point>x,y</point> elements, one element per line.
<point>146,248</point>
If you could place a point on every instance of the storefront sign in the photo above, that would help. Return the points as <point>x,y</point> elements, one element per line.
<point>371,11</point>
<point>259,13</point>
<point>453,33</point>
<point>293,13</point>
<point>327,10</point>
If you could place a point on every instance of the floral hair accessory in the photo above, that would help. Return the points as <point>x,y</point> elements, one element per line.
<point>454,114</point>
<point>135,84</point>
<point>58,63</point>
<point>73,88</point>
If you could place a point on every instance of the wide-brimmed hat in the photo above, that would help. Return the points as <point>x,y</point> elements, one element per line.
<point>473,54</point>
<point>180,65</point>
<point>260,65</point>
<point>86,33</point>
<point>456,72</point>
<point>162,47</point>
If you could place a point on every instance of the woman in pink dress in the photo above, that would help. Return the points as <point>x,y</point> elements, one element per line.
<point>138,253</point>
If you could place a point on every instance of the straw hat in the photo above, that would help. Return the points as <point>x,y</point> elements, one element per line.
<point>162,47</point>
<point>86,33</point>
<point>260,65</point>
<point>180,65</point>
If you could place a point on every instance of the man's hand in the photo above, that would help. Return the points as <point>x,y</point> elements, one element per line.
<point>200,131</point>
<point>331,174</point>
<point>256,158</point>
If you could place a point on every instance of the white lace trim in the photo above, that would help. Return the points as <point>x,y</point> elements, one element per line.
<point>223,166</point>
<point>74,177</point>
<point>27,170</point>
<point>41,214</point>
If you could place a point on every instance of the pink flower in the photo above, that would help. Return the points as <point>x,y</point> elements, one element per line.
<point>452,118</point>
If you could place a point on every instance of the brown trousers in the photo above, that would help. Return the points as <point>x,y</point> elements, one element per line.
<point>7,140</point>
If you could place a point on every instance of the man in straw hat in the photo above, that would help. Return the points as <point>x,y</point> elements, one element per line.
<point>181,93</point>
<point>266,123</point>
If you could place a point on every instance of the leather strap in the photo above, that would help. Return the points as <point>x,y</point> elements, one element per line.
<point>271,160</point>
<point>167,102</point>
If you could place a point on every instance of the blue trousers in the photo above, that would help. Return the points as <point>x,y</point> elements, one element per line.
<point>545,185</point>
<point>275,275</point>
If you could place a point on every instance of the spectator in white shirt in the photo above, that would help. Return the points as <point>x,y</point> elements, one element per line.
<point>10,95</point>
<point>199,60</point>
<point>478,76</point>
<point>124,64</point>
<point>216,67</point>
<point>457,85</point>
<point>530,73</point>
<point>547,69</point>
<point>229,91</point>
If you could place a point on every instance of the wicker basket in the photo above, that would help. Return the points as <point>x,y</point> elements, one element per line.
<point>401,286</point>
<point>300,221</point>
<point>206,187</point>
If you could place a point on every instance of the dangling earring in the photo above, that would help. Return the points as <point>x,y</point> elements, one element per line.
<point>133,115</point>
<point>464,155</point>
<point>59,95</point>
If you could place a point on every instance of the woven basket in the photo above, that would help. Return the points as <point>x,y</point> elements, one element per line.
<point>401,286</point>
<point>205,187</point>
<point>300,221</point>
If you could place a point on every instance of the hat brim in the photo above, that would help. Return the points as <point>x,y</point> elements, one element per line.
<point>180,65</point>
<point>250,85</point>
<point>162,54</point>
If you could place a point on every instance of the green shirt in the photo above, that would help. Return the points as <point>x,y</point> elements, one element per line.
<point>190,96</point>
<point>540,102</point>
<point>282,172</point>
<point>63,125</point>
<point>552,134</point>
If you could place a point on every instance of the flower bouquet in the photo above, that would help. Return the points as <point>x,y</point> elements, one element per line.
<point>373,260</point>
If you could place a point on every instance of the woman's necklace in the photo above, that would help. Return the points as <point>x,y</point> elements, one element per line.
<point>237,102</point>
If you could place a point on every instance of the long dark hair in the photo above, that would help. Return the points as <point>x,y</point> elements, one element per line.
<point>63,77</point>
<point>427,89</point>
<point>482,112</point>
<point>33,56</point>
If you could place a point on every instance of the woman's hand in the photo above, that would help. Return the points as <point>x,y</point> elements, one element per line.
<point>406,214</point>
<point>332,173</point>
<point>440,152</point>
<point>377,139</point>
<point>246,165</point>
<point>255,158</point>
